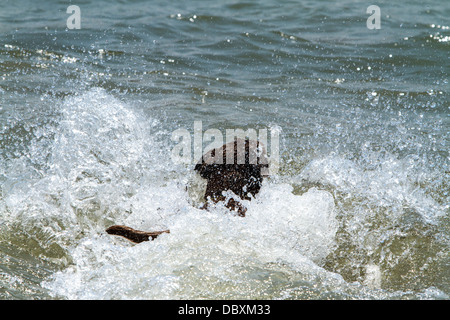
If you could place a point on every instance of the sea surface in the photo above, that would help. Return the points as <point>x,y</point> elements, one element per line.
<point>359,208</point>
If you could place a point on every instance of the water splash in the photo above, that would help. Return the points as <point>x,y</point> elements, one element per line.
<point>354,230</point>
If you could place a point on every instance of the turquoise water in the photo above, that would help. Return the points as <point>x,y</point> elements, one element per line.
<point>359,208</point>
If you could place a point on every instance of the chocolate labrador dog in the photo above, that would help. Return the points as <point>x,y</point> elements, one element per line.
<point>238,166</point>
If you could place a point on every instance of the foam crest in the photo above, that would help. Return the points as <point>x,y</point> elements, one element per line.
<point>96,155</point>
<point>391,183</point>
<point>207,254</point>
<point>102,166</point>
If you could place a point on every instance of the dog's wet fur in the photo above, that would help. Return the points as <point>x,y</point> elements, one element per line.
<point>241,172</point>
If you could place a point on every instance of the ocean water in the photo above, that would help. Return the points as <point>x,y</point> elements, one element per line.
<point>359,208</point>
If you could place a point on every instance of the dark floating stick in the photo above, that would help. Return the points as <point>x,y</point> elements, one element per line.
<point>132,234</point>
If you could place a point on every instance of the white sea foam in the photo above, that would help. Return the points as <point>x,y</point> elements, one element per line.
<point>393,182</point>
<point>100,164</point>
<point>205,250</point>
<point>106,169</point>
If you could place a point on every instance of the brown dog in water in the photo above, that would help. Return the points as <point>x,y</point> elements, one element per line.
<point>238,166</point>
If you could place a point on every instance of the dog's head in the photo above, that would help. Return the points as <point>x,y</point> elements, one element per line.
<point>238,166</point>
